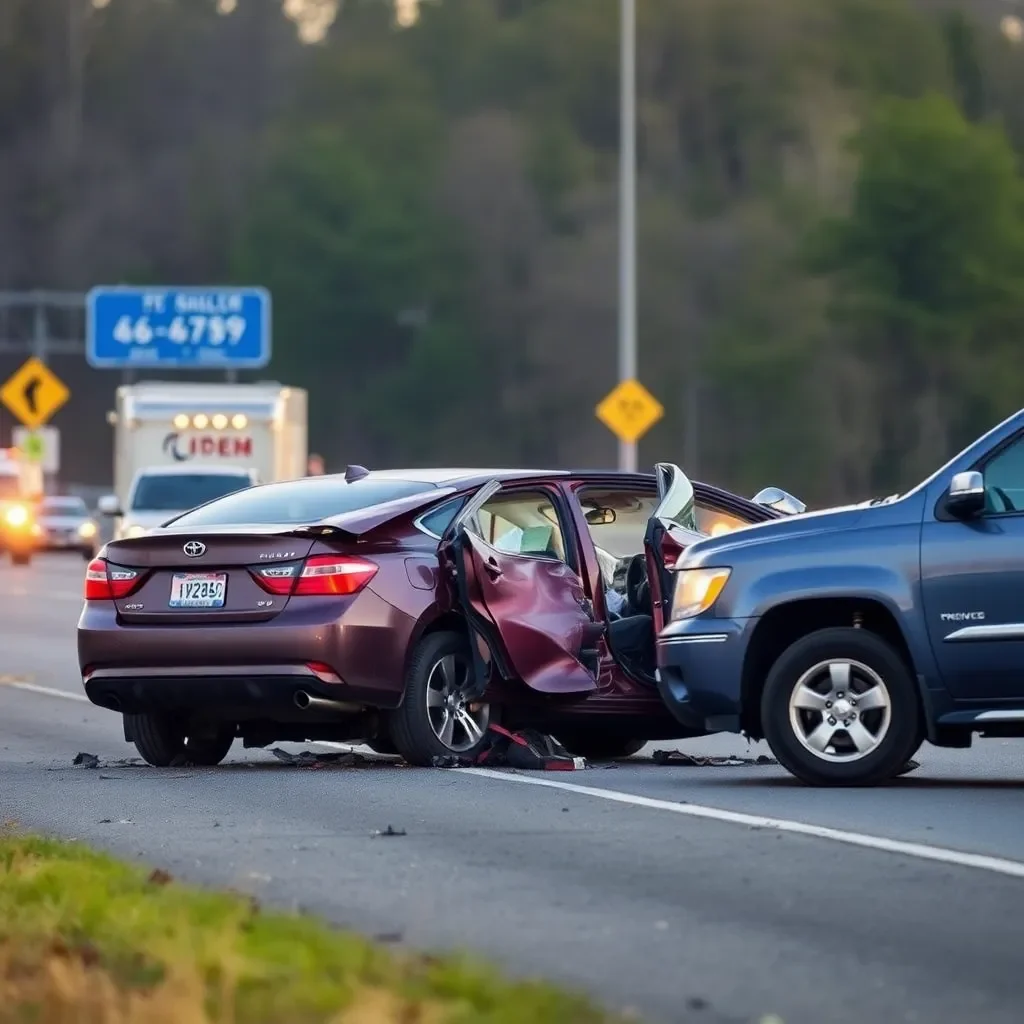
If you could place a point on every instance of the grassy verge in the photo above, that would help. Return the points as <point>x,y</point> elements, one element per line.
<point>85,938</point>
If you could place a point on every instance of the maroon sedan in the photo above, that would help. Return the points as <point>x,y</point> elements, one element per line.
<point>406,609</point>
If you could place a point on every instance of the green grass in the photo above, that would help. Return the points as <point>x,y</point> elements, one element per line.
<point>88,939</point>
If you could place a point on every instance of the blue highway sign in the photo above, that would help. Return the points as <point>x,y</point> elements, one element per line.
<point>178,328</point>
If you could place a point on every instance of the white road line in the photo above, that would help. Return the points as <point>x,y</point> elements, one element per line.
<point>46,691</point>
<point>996,865</point>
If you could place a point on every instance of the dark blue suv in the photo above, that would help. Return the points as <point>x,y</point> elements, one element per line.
<point>845,638</point>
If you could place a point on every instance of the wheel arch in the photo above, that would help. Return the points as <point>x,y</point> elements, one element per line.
<point>785,623</point>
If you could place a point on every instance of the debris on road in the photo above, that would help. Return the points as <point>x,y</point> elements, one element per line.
<point>86,761</point>
<point>693,761</point>
<point>390,831</point>
<point>527,750</point>
<point>312,759</point>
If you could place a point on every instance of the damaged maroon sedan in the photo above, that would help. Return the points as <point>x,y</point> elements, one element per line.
<point>409,610</point>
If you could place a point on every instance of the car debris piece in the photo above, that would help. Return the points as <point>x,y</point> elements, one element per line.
<point>312,759</point>
<point>390,831</point>
<point>694,761</point>
<point>86,760</point>
<point>527,750</point>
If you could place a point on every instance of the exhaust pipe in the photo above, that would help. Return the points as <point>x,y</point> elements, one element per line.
<point>307,702</point>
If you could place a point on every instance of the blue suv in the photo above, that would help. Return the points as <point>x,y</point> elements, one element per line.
<point>847,637</point>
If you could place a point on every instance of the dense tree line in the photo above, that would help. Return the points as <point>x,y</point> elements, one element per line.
<point>831,222</point>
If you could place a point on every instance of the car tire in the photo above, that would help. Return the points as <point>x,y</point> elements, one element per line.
<point>162,742</point>
<point>158,738</point>
<point>600,746</point>
<point>830,665</point>
<point>414,726</point>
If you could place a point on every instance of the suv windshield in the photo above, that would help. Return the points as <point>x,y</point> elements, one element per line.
<point>173,492</point>
<point>302,501</point>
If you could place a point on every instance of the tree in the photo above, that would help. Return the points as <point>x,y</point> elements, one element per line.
<point>929,268</point>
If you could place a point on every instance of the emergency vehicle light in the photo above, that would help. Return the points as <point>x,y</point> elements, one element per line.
<point>219,421</point>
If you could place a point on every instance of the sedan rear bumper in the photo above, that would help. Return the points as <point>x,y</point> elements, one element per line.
<point>241,692</point>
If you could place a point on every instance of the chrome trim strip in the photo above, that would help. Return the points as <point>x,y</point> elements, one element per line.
<point>202,671</point>
<point>695,638</point>
<point>1000,716</point>
<point>1003,631</point>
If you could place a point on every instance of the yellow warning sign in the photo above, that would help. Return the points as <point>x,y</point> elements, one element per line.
<point>34,393</point>
<point>629,411</point>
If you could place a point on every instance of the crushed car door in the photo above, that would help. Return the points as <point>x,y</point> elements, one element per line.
<point>529,610</point>
<point>671,529</point>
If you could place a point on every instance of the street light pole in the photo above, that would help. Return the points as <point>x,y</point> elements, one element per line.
<point>627,214</point>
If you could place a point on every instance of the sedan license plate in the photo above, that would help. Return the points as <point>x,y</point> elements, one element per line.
<point>198,590</point>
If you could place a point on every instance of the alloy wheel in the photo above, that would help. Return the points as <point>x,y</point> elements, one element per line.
<point>456,722</point>
<point>840,710</point>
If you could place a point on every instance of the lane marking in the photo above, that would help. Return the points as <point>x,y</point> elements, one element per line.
<point>920,851</point>
<point>46,691</point>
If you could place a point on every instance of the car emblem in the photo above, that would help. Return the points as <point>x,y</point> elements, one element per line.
<point>194,548</point>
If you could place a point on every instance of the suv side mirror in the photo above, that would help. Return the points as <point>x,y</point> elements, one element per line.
<point>966,495</point>
<point>780,500</point>
<point>108,505</point>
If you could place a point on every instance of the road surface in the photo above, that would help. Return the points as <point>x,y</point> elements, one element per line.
<point>704,894</point>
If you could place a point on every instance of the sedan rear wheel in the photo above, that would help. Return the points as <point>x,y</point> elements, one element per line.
<point>162,742</point>
<point>436,719</point>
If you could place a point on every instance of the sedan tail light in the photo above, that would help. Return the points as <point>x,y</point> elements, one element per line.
<point>320,576</point>
<point>105,582</point>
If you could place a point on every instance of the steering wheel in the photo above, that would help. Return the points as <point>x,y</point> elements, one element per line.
<point>638,587</point>
<point>1004,498</point>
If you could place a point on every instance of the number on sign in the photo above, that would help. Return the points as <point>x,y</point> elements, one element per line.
<point>198,327</point>
<point>123,331</point>
<point>236,328</point>
<point>178,332</point>
<point>143,332</point>
<point>216,331</point>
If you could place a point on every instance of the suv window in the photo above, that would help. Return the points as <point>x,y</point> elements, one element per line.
<point>172,492</point>
<point>1004,480</point>
<point>301,501</point>
<point>521,523</point>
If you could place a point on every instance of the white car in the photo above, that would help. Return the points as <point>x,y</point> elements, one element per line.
<point>160,493</point>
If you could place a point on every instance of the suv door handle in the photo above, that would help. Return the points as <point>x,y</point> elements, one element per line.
<point>493,569</point>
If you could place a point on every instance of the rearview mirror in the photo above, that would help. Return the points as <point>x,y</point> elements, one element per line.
<point>108,505</point>
<point>601,516</point>
<point>780,500</point>
<point>966,495</point>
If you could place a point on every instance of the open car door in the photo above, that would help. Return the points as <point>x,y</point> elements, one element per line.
<point>671,529</point>
<point>528,611</point>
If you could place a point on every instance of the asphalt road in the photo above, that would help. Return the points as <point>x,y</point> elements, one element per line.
<point>704,894</point>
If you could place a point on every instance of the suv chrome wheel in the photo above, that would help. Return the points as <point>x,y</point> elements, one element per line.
<point>840,710</point>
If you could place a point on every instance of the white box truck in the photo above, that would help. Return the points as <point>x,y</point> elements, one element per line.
<point>176,443</point>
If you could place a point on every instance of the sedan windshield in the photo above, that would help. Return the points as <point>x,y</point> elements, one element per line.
<point>172,492</point>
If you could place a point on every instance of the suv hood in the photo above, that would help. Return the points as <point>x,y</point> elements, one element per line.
<point>715,549</point>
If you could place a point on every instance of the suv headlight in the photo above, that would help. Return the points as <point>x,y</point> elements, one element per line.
<point>696,591</point>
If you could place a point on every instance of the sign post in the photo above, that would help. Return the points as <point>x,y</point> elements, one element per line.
<point>168,328</point>
<point>629,411</point>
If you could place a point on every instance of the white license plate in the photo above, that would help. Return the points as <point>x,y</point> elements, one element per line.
<point>198,590</point>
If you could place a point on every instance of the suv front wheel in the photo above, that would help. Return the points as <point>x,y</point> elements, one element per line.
<point>840,708</point>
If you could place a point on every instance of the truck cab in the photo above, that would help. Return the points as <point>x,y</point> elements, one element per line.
<point>848,637</point>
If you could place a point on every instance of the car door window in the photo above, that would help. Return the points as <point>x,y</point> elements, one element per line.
<point>521,523</point>
<point>1004,480</point>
